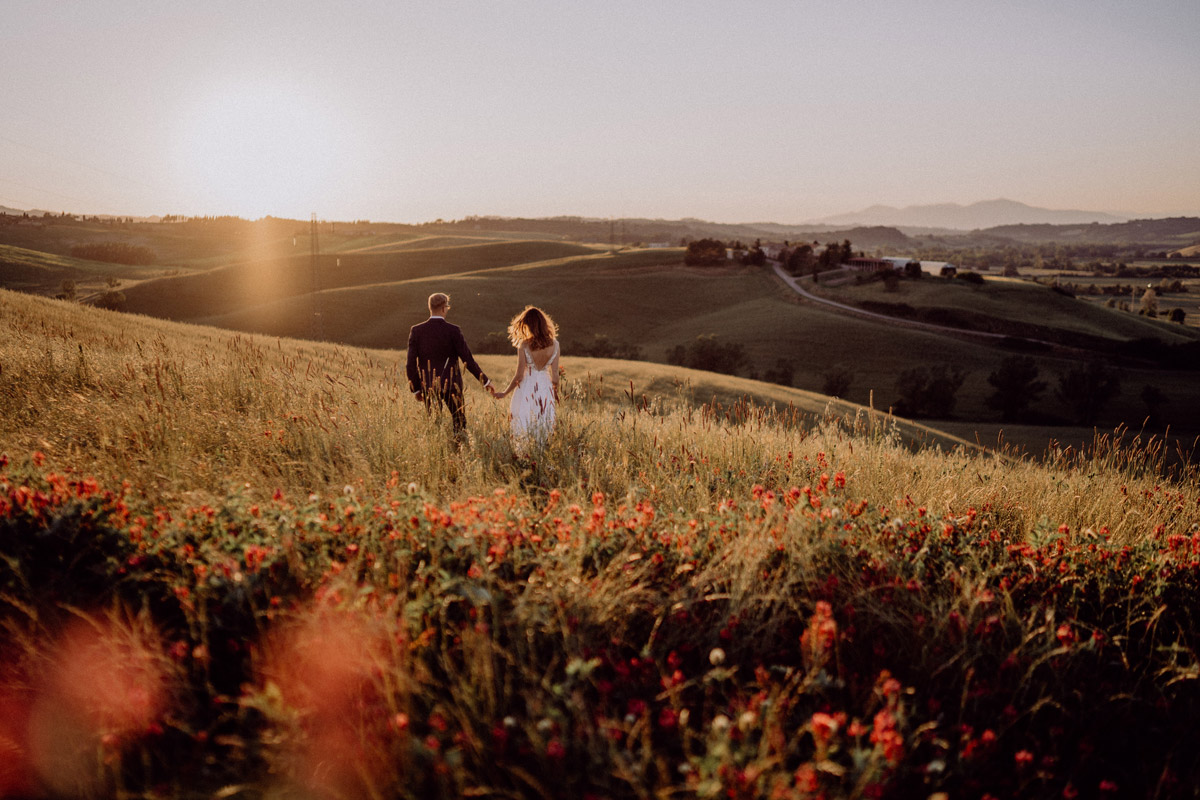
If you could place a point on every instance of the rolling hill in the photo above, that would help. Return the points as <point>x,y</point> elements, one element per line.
<point>371,286</point>
<point>648,300</point>
<point>244,286</point>
<point>83,354</point>
<point>36,271</point>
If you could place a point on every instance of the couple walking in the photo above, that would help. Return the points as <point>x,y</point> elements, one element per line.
<point>435,347</point>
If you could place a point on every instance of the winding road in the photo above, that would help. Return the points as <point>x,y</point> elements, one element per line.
<point>794,284</point>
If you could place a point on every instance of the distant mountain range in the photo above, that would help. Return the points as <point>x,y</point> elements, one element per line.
<point>16,212</point>
<point>976,216</point>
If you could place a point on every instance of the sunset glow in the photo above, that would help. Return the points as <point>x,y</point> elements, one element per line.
<point>260,149</point>
<point>777,110</point>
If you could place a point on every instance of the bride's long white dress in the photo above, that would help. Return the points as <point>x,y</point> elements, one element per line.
<point>531,412</point>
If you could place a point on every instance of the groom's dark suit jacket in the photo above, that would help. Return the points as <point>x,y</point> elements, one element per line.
<point>434,349</point>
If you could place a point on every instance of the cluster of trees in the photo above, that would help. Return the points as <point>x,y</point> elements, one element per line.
<point>798,259</point>
<point>115,253</point>
<point>707,353</point>
<point>714,251</point>
<point>111,298</point>
<point>705,252</point>
<point>1017,386</point>
<point>803,259</point>
<point>928,391</point>
<point>1164,286</point>
<point>601,346</point>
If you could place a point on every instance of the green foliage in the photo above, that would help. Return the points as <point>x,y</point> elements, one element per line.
<point>967,276</point>
<point>1086,389</point>
<point>705,252</point>
<point>602,346</point>
<point>755,257</point>
<point>782,373</point>
<point>835,254</point>
<point>1154,399</point>
<point>837,380</point>
<point>1015,387</point>
<point>928,391</point>
<point>707,353</point>
<point>115,253</point>
<point>800,260</point>
<point>110,300</point>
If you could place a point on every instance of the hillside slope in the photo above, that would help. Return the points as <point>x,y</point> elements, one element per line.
<point>114,388</point>
<point>36,271</point>
<point>660,307</point>
<point>245,285</point>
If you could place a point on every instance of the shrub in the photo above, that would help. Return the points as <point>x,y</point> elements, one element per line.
<point>705,252</point>
<point>709,354</point>
<point>1016,387</point>
<point>1086,389</point>
<point>837,380</point>
<point>928,391</point>
<point>601,346</point>
<point>782,373</point>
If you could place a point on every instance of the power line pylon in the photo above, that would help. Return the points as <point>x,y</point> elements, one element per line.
<point>317,328</point>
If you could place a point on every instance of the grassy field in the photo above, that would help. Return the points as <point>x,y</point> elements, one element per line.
<point>93,367</point>
<point>235,565</point>
<point>372,286</point>
<point>660,307</point>
<point>258,283</point>
<point>1017,306</point>
<point>43,273</point>
<point>1188,300</point>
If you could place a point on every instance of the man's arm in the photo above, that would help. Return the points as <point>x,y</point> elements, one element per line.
<point>411,368</point>
<point>468,360</point>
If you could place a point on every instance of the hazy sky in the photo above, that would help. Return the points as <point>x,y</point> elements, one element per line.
<point>781,110</point>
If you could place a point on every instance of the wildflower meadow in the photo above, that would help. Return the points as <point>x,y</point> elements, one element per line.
<point>241,567</point>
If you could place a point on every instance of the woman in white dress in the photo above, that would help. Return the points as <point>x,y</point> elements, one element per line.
<point>534,389</point>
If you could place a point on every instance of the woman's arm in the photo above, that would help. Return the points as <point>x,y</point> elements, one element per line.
<point>516,378</point>
<point>554,370</point>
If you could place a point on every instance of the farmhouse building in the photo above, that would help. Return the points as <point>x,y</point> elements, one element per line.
<point>863,264</point>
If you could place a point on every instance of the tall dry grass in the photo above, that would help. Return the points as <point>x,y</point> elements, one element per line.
<point>185,410</point>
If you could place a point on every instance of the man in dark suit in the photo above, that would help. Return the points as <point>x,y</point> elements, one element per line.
<point>434,350</point>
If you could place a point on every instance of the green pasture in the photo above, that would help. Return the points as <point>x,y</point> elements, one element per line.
<point>1188,300</point>
<point>1014,304</point>
<point>42,273</point>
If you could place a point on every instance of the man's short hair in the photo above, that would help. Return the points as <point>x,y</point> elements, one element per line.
<point>438,300</point>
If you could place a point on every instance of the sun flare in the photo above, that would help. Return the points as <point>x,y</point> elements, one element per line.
<point>259,149</point>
